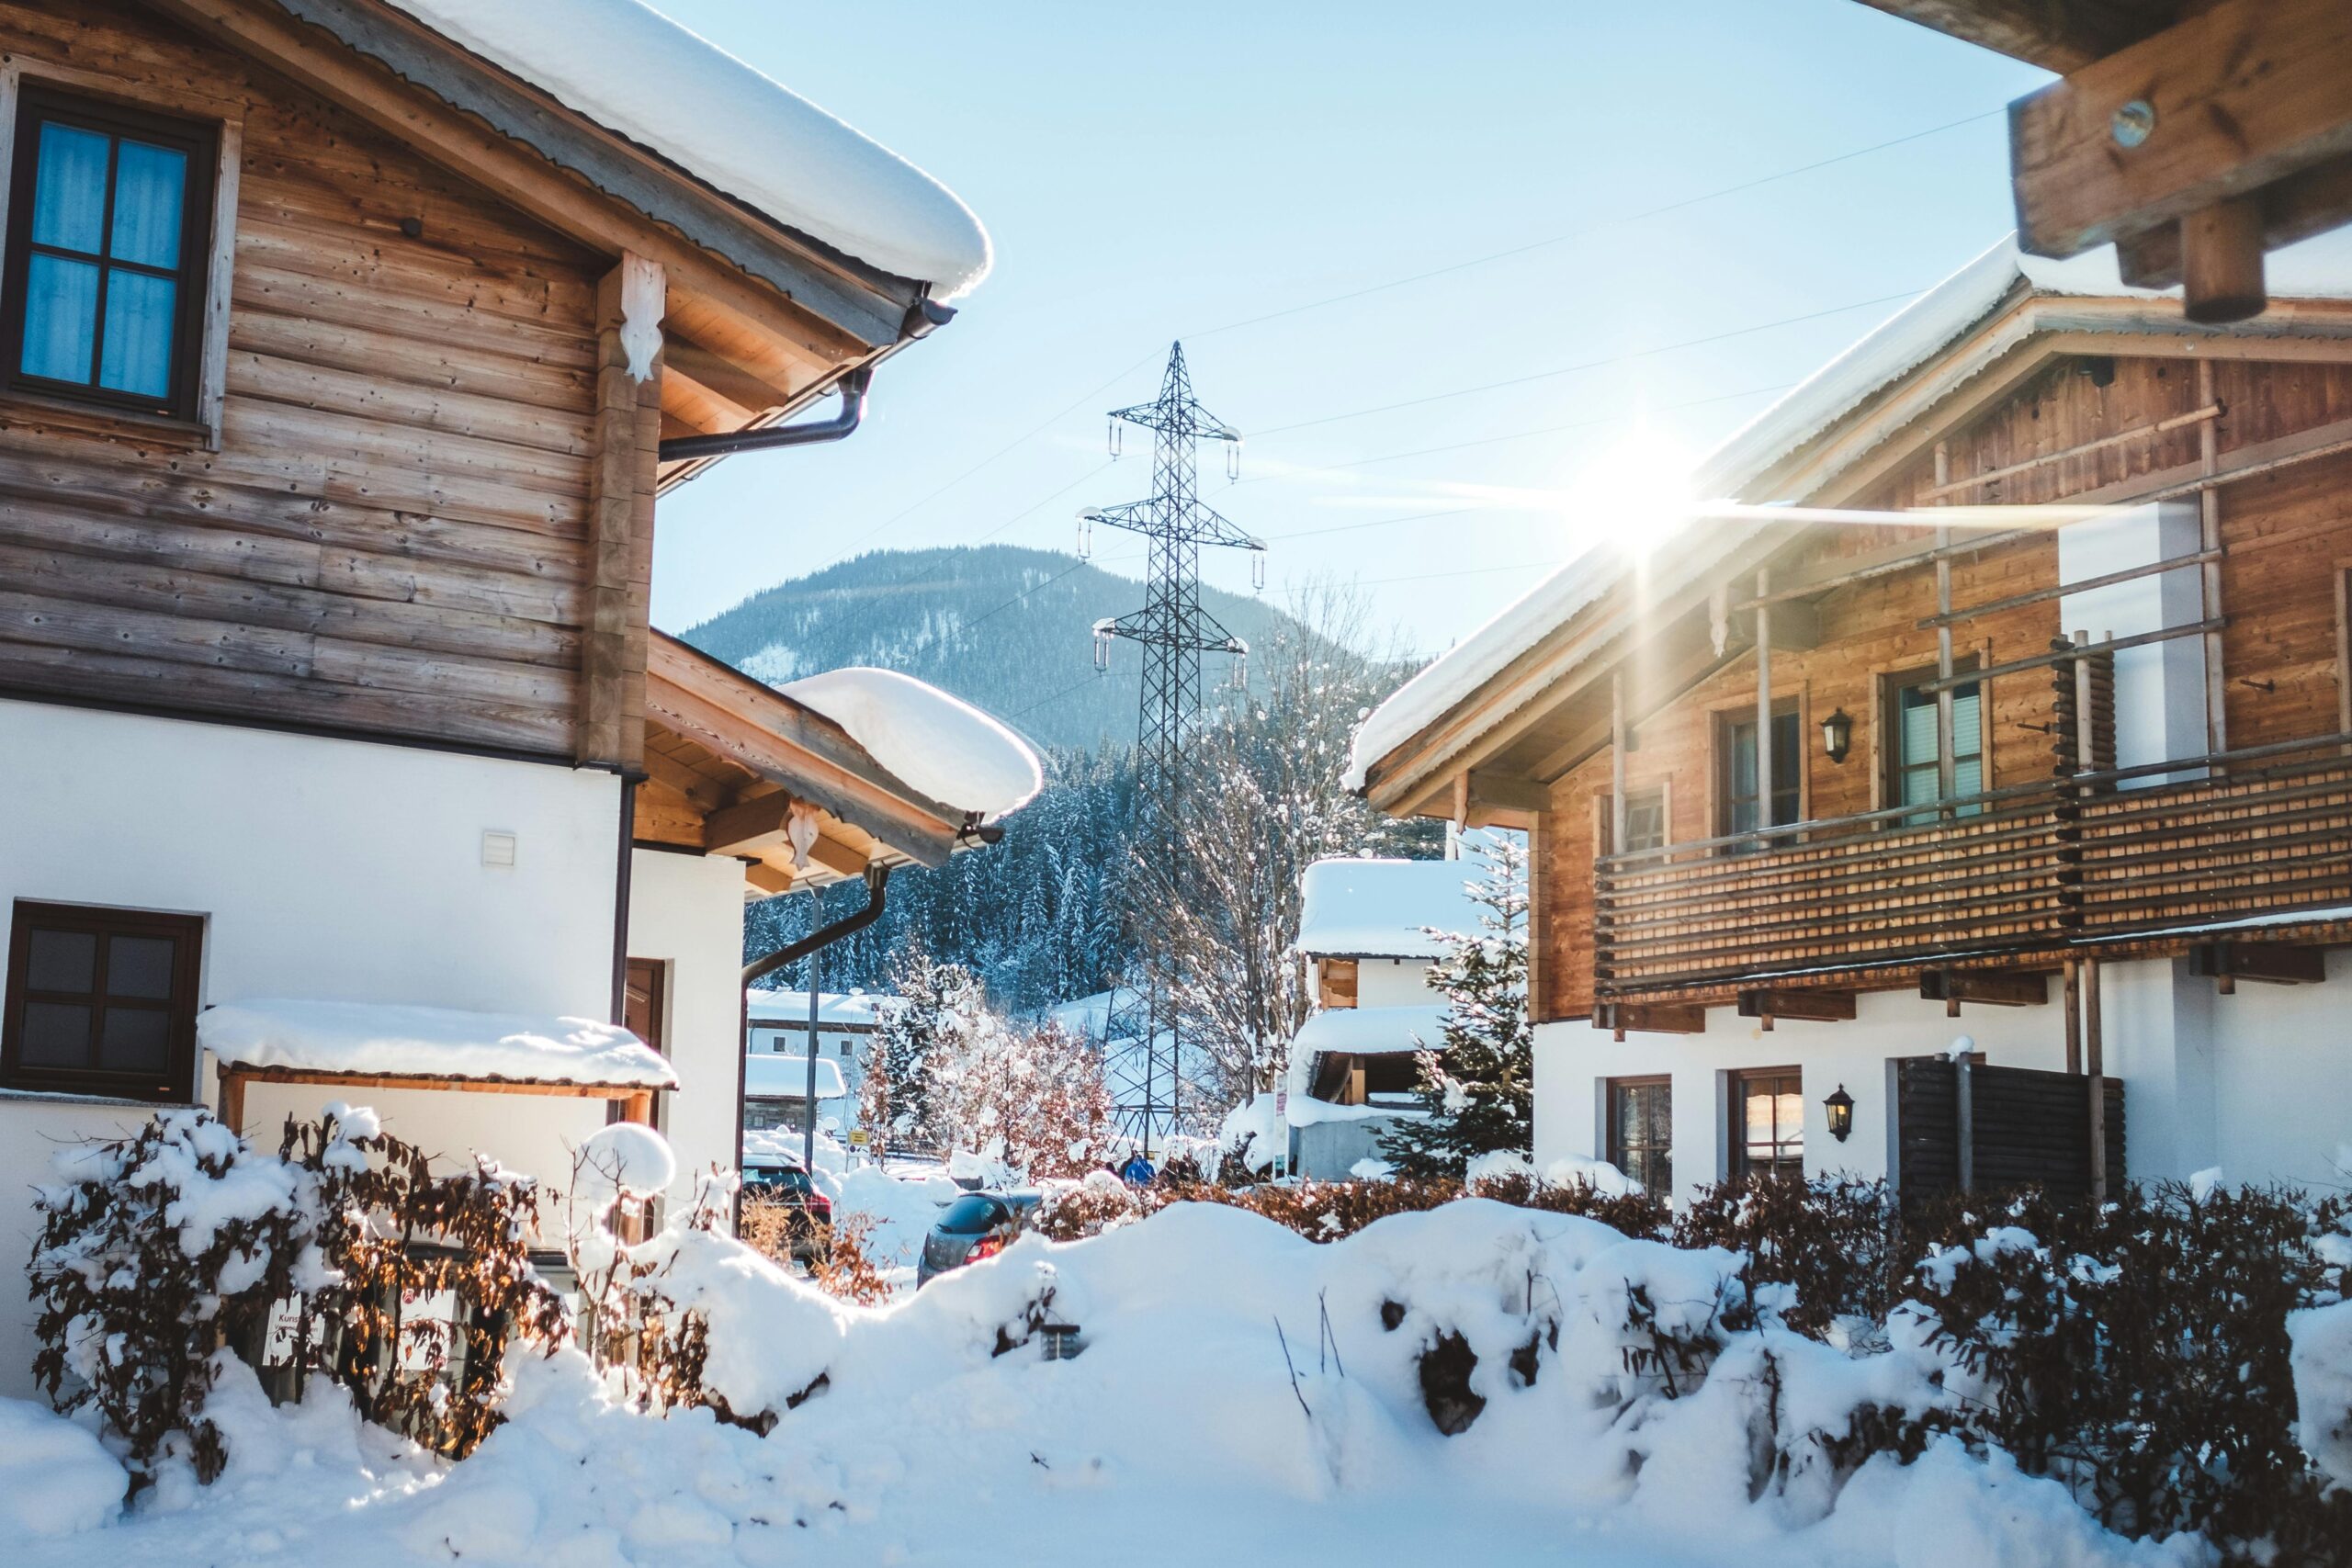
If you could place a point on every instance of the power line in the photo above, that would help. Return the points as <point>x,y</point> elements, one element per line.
<point>1593,364</point>
<point>1522,250</point>
<point>1058,696</point>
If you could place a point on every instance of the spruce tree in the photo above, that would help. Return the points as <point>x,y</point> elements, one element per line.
<point>1478,1088</point>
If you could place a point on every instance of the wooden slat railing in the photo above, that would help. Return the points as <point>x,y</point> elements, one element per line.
<point>2033,867</point>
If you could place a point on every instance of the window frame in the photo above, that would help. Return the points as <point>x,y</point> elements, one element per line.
<point>1728,723</point>
<point>1614,1148</point>
<point>1740,1166</point>
<point>1893,685</point>
<point>196,304</point>
<point>175,1084</point>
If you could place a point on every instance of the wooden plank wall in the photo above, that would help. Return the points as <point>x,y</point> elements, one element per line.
<point>391,538</point>
<point>2288,535</point>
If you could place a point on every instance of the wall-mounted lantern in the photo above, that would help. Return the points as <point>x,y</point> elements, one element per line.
<point>1840,1106</point>
<point>1838,736</point>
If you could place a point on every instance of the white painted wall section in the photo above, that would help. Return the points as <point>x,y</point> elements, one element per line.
<point>686,913</point>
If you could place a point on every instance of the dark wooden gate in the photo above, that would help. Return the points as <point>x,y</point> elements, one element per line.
<point>2026,1128</point>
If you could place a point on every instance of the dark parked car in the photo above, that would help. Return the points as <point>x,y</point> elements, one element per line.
<point>789,1187</point>
<point>976,1225</point>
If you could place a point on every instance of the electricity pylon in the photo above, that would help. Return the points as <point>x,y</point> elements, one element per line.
<point>1173,630</point>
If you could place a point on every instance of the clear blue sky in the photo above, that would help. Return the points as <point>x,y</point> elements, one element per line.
<point>1150,172</point>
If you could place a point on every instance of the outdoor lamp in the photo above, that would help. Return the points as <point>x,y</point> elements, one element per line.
<point>1838,735</point>
<point>1841,1114</point>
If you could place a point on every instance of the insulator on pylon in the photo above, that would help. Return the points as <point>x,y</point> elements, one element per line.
<point>1233,461</point>
<point>1257,571</point>
<point>1115,441</point>
<point>1085,535</point>
<point>1241,672</point>
<point>1103,635</point>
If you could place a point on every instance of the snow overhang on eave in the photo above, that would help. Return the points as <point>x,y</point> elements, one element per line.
<point>869,303</point>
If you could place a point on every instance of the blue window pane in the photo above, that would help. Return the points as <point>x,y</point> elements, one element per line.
<point>61,319</point>
<point>138,353</point>
<point>149,183</point>
<point>70,189</point>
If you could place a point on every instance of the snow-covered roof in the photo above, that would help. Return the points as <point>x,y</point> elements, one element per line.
<point>2318,268</point>
<point>635,71</point>
<point>1088,1016</point>
<point>1379,908</point>
<point>857,1010</point>
<point>1370,1032</point>
<point>772,1076</point>
<point>394,1040</point>
<point>939,745</point>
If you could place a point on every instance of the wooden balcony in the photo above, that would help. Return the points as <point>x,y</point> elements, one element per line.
<point>2033,870</point>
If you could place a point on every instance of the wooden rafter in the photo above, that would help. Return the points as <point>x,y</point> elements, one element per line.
<point>2057,35</point>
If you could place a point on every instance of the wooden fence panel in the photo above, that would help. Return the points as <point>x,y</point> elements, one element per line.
<point>2030,1129</point>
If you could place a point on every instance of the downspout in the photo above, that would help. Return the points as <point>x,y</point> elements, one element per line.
<point>923,318</point>
<point>878,889</point>
<point>623,864</point>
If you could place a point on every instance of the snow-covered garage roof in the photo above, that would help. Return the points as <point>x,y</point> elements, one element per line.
<point>856,1010</point>
<point>1381,908</point>
<point>2318,268</point>
<point>376,1039</point>
<point>635,73</point>
<point>1370,1032</point>
<point>769,1074</point>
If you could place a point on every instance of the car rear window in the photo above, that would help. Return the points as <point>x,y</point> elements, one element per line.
<point>787,1181</point>
<point>971,1212</point>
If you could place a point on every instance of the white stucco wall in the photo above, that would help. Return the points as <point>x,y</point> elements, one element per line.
<point>2259,1083</point>
<point>330,869</point>
<point>687,912</point>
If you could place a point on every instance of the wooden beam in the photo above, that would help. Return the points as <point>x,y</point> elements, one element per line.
<point>2214,107</point>
<point>1988,987</point>
<point>2270,963</point>
<point>2057,35</point>
<point>1655,1018</point>
<point>1507,791</point>
<point>767,877</point>
<point>834,855</point>
<point>1811,1006</point>
<point>2221,262</point>
<point>243,1075</point>
<point>723,377</point>
<point>620,518</point>
<point>2310,201</point>
<point>748,825</point>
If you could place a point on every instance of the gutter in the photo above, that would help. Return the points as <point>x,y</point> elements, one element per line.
<point>877,888</point>
<point>923,318</point>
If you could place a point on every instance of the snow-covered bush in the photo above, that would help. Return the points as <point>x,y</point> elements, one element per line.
<point>1832,1240</point>
<point>158,1250</point>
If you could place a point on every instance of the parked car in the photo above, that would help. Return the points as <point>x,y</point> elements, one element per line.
<point>976,1225</point>
<point>786,1184</point>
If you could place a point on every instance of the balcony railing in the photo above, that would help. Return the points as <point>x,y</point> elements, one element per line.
<point>2031,868</point>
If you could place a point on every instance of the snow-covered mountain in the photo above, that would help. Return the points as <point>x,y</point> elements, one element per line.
<point>1006,629</point>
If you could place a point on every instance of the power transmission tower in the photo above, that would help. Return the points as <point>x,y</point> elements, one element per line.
<point>1173,630</point>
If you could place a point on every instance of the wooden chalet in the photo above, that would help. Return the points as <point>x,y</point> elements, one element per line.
<point>346,348</point>
<point>2014,680</point>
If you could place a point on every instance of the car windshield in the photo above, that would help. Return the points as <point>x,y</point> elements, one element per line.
<point>971,1213</point>
<point>785,1178</point>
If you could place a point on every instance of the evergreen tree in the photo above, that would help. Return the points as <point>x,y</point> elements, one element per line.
<point>935,1003</point>
<point>1478,1088</point>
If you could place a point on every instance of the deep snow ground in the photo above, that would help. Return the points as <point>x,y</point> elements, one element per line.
<point>1177,1436</point>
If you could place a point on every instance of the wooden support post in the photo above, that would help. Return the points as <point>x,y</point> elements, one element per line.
<point>1947,784</point>
<point>630,301</point>
<point>2221,262</point>
<point>1616,760</point>
<point>233,1099</point>
<point>2073,991</point>
<point>1964,1107</point>
<point>2086,726</point>
<point>1763,704</point>
<point>2209,520</point>
<point>2094,1070</point>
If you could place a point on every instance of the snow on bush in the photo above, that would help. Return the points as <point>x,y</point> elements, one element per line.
<point>2322,1360</point>
<point>55,1478</point>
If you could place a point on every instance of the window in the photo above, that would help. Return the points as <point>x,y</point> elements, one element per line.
<point>1641,1132</point>
<point>109,225</point>
<point>1767,1123</point>
<point>101,1001</point>
<point>1736,739</point>
<point>1914,776</point>
<point>1646,812</point>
